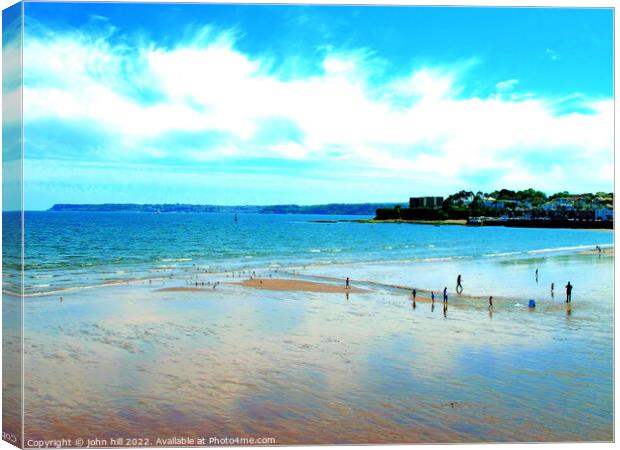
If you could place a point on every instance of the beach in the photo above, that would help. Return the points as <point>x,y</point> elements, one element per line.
<point>268,342</point>
<point>308,362</point>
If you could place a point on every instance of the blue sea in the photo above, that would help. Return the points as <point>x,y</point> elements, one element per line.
<point>71,249</point>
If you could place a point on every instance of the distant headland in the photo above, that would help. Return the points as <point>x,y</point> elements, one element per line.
<point>527,208</point>
<point>362,209</point>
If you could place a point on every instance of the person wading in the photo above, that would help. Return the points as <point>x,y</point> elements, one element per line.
<point>569,292</point>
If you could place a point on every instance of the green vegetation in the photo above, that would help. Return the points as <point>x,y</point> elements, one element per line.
<point>528,204</point>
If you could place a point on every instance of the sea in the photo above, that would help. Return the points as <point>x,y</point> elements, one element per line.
<point>77,249</point>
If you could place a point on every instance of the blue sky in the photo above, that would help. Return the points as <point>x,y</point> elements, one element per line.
<point>312,104</point>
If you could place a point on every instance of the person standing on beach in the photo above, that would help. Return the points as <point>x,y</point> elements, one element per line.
<point>432,297</point>
<point>413,293</point>
<point>491,301</point>
<point>536,274</point>
<point>459,285</point>
<point>552,287</point>
<point>569,290</point>
<point>346,285</point>
<point>445,294</point>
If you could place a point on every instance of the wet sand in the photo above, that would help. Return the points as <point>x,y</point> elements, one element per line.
<point>297,285</point>
<point>605,251</point>
<point>183,289</point>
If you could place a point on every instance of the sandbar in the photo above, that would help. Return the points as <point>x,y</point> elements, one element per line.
<point>276,284</point>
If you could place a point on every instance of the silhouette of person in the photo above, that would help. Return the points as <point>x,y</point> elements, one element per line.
<point>569,292</point>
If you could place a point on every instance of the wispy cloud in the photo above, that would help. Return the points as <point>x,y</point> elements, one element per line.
<point>205,100</point>
<point>506,85</point>
<point>552,54</point>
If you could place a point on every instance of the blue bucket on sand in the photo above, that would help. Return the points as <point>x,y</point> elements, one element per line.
<point>531,304</point>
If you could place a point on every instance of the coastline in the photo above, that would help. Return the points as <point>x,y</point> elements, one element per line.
<point>291,272</point>
<point>420,222</point>
<point>498,223</point>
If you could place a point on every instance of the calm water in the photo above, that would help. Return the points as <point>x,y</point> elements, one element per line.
<point>133,361</point>
<point>81,249</point>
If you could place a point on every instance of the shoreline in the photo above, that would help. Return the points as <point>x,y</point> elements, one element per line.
<point>461,222</point>
<point>300,285</point>
<point>292,271</point>
<point>512,224</point>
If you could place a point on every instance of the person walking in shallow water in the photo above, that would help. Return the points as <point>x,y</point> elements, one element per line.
<point>569,292</point>
<point>445,294</point>
<point>346,284</point>
<point>459,285</point>
<point>536,274</point>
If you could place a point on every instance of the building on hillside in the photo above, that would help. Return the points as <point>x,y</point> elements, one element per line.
<point>425,202</point>
<point>490,202</point>
<point>559,204</point>
<point>604,213</point>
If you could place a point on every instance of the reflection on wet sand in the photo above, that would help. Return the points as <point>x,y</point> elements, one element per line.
<point>305,366</point>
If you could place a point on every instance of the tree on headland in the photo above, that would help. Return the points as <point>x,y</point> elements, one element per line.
<point>525,204</point>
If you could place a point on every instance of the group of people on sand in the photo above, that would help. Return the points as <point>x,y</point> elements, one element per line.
<point>459,290</point>
<point>414,294</point>
<point>568,287</point>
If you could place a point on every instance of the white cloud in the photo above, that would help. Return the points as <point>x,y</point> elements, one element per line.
<point>418,125</point>
<point>506,85</point>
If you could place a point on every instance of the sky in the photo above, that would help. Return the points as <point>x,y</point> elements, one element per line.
<point>257,104</point>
